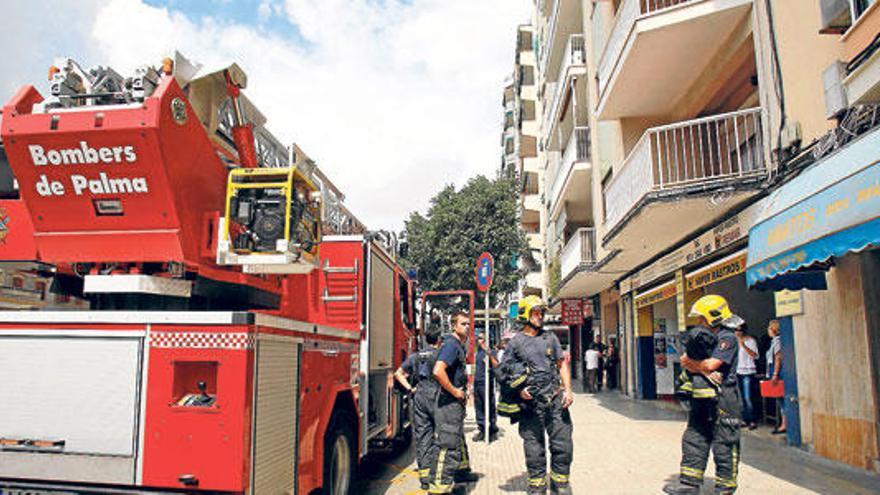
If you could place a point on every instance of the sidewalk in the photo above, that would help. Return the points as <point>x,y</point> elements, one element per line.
<point>623,446</point>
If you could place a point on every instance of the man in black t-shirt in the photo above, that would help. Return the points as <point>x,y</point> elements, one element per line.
<point>716,428</point>
<point>449,461</point>
<point>416,375</point>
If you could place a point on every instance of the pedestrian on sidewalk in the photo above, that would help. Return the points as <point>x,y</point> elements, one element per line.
<point>449,462</point>
<point>774,370</point>
<point>480,391</point>
<point>745,374</point>
<point>713,428</point>
<point>546,397</point>
<point>415,375</point>
<point>600,371</point>
<point>612,359</point>
<point>591,357</point>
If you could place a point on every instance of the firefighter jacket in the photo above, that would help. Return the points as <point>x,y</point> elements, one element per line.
<point>512,375</point>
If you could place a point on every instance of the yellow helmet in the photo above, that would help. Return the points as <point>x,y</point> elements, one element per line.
<point>526,305</point>
<point>713,308</point>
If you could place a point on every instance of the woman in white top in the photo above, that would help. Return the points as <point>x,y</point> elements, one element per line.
<point>774,368</point>
<point>745,374</point>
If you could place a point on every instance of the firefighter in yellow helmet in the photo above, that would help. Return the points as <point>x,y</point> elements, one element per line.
<point>714,428</point>
<point>546,396</point>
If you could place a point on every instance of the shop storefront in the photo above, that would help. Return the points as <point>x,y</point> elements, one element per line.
<point>660,295</point>
<point>818,236</point>
<point>657,326</point>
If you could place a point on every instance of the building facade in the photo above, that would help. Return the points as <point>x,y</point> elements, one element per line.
<point>519,157</point>
<point>675,135</point>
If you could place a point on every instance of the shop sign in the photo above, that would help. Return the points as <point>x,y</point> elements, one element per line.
<point>572,311</point>
<point>789,303</point>
<point>719,237</point>
<point>679,302</point>
<point>656,295</point>
<point>588,308</point>
<point>717,272</point>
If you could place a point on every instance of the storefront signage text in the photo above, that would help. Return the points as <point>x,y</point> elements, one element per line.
<point>789,303</point>
<point>655,296</point>
<point>572,311</point>
<point>717,273</point>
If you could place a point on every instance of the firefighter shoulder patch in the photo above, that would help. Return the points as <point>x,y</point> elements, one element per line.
<point>724,345</point>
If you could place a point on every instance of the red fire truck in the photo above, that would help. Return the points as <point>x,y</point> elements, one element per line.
<point>230,345</point>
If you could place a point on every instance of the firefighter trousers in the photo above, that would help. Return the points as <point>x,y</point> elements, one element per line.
<point>554,420</point>
<point>423,426</point>
<point>712,426</point>
<point>448,455</point>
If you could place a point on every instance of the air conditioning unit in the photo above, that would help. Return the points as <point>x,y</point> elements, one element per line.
<point>836,16</point>
<point>835,93</point>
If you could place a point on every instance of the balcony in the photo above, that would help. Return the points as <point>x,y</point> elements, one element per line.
<point>535,241</point>
<point>668,43</point>
<point>862,83</point>
<point>573,65</point>
<point>579,275</point>
<point>531,205</point>
<point>680,177</point>
<point>565,19</point>
<point>573,179</point>
<point>532,284</point>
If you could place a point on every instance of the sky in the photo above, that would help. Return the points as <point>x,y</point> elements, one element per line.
<point>392,98</point>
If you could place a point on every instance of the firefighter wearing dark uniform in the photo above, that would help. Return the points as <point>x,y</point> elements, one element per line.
<point>449,461</point>
<point>713,428</point>
<point>546,397</point>
<point>415,375</point>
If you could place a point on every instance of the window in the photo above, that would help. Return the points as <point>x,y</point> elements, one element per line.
<point>508,146</point>
<point>859,7</point>
<point>508,119</point>
<point>525,41</point>
<point>526,75</point>
<point>403,294</point>
<point>528,109</point>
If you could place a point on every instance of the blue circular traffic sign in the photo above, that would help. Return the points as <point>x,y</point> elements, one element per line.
<point>484,271</point>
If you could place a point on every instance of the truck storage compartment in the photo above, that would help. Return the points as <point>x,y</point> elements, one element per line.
<point>69,407</point>
<point>381,341</point>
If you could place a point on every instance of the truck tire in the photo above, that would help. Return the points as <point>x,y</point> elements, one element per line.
<point>340,455</point>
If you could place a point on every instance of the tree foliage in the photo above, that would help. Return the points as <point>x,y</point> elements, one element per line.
<point>444,244</point>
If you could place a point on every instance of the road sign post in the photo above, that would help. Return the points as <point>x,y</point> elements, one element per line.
<point>484,272</point>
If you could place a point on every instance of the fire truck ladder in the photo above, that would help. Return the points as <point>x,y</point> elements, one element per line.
<point>348,277</point>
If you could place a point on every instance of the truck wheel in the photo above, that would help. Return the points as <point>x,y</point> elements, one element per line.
<point>339,456</point>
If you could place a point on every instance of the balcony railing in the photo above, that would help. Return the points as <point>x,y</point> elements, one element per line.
<point>577,150</point>
<point>695,152</point>
<point>630,11</point>
<point>579,250</point>
<point>575,54</point>
<point>548,37</point>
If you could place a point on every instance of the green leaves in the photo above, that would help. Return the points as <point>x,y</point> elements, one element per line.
<point>459,225</point>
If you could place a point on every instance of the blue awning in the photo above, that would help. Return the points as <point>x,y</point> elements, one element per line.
<point>831,209</point>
